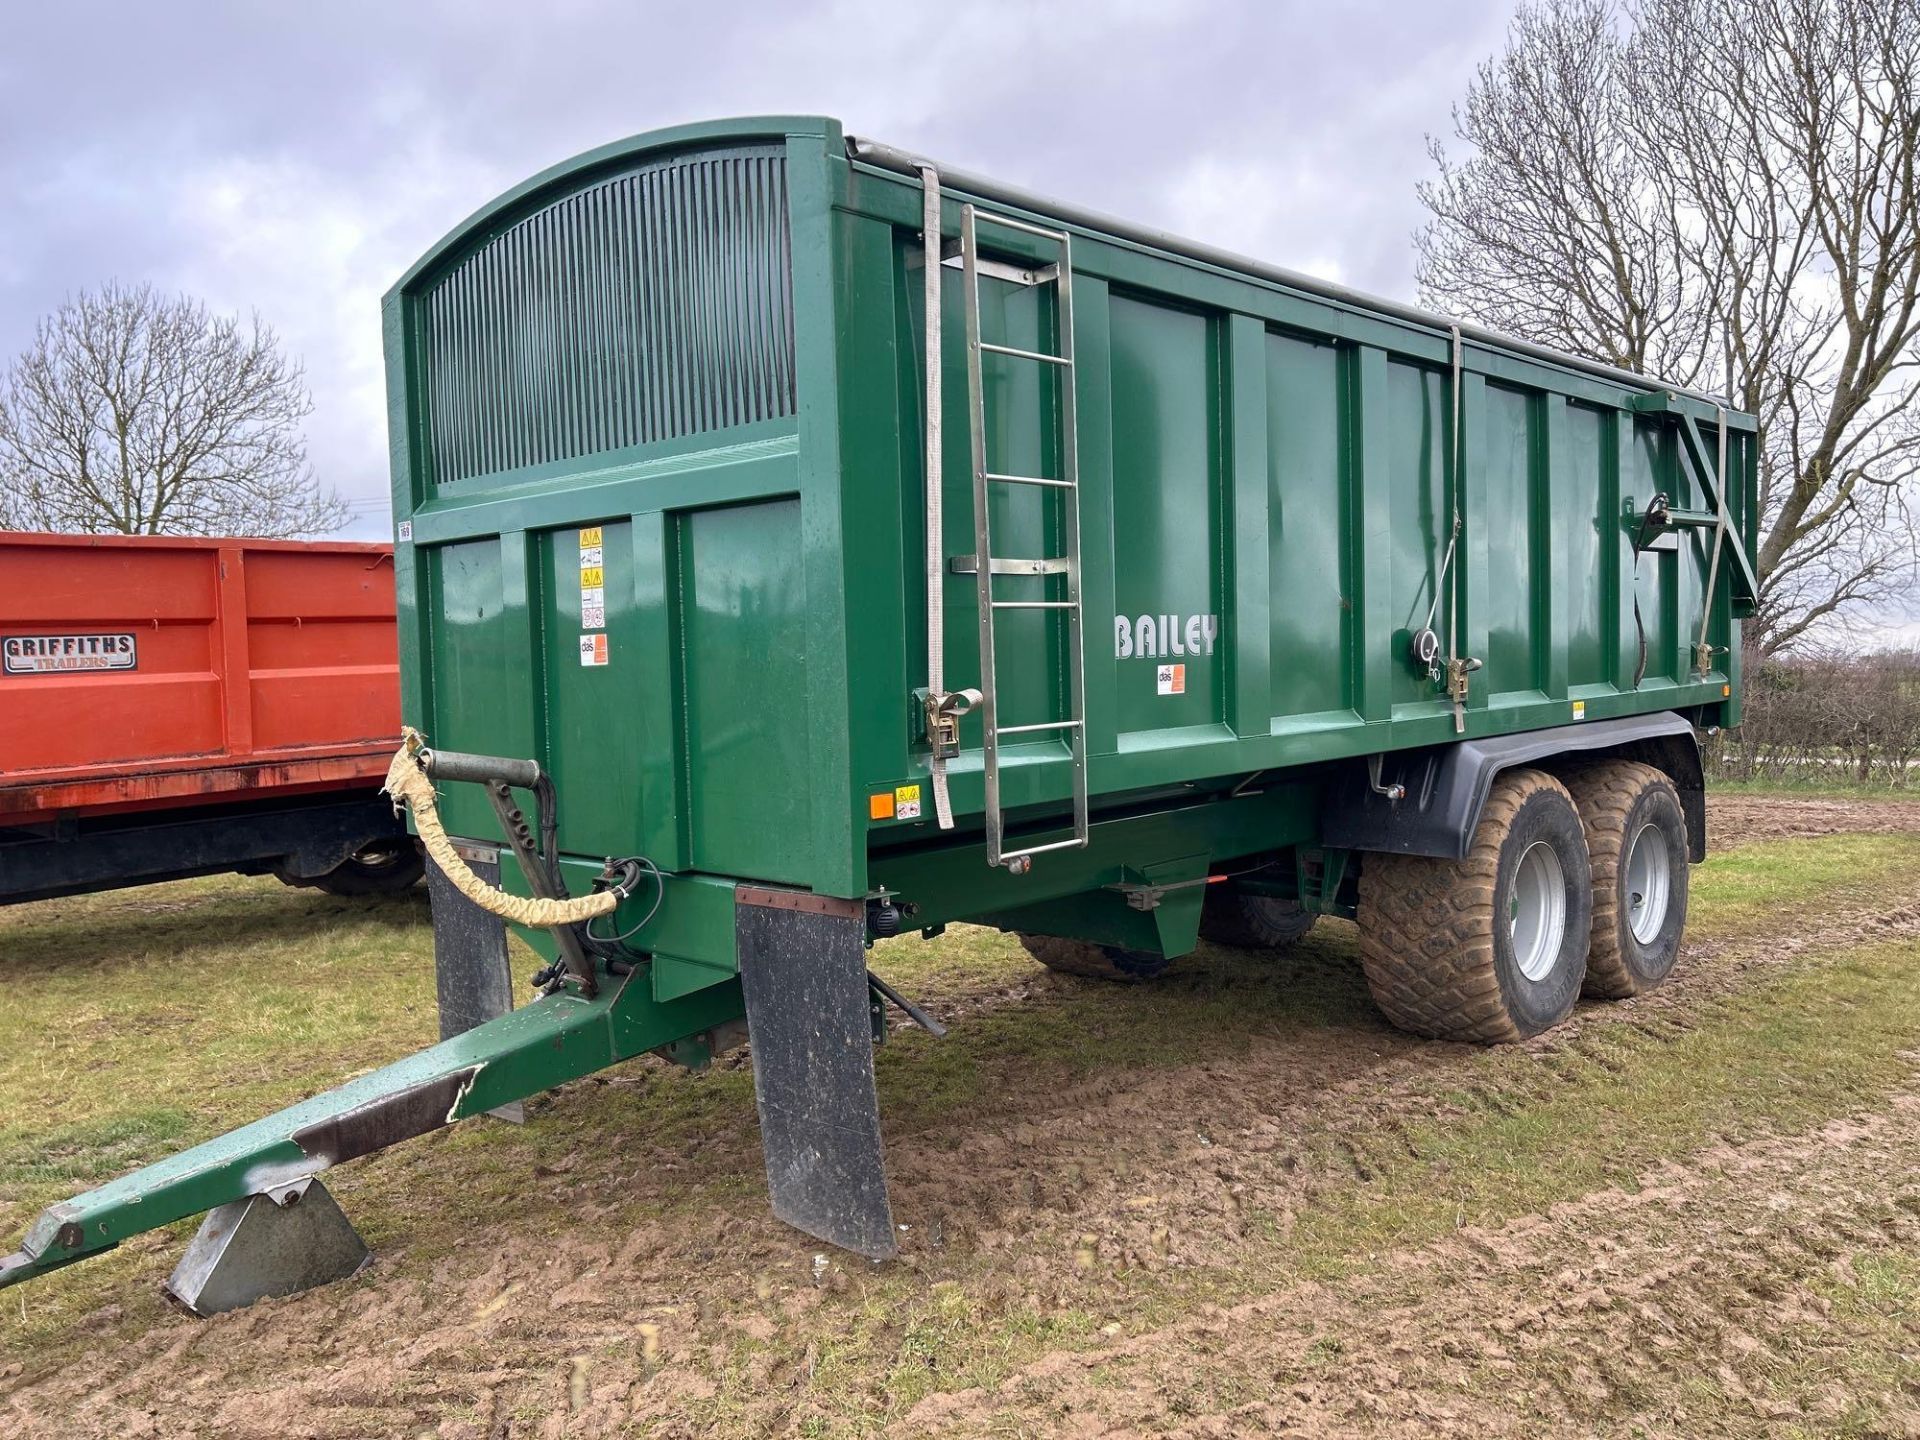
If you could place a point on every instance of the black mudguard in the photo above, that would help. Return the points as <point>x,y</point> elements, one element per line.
<point>1446,785</point>
<point>803,972</point>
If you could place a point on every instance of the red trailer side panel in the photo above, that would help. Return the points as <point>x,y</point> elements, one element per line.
<point>150,672</point>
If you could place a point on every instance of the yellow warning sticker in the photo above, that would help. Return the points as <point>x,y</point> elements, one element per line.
<point>590,536</point>
<point>592,575</point>
<point>1579,709</point>
<point>906,802</point>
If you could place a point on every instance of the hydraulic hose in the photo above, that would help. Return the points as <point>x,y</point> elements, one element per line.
<point>408,783</point>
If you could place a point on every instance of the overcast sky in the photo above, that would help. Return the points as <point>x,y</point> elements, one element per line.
<point>295,160</point>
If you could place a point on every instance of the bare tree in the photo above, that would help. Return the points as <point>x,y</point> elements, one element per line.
<point>132,413</point>
<point>1725,194</point>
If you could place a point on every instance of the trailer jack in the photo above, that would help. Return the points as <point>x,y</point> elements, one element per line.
<point>280,1243</point>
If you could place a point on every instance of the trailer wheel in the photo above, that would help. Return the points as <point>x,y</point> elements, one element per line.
<point>1096,962</point>
<point>1232,917</point>
<point>1493,947</point>
<point>1637,836</point>
<point>384,868</point>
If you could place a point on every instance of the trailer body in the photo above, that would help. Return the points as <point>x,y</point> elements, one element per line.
<point>179,706</point>
<point>724,435</point>
<point>1239,585</point>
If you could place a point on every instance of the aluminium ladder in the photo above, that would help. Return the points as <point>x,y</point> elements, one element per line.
<point>985,565</point>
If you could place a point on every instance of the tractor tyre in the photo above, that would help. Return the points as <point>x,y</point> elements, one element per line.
<point>1491,948</point>
<point>1637,838</point>
<point>1095,962</point>
<point>1240,921</point>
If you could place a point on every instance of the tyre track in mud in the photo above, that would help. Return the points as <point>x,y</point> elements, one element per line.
<point>1671,1308</point>
<point>1359,1082</point>
<point>592,1323</point>
<point>1734,820</point>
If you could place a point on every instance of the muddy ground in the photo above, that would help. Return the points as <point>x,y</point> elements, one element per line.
<point>1318,1227</point>
<point>1741,819</point>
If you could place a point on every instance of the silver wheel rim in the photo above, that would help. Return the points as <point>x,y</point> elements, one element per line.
<point>1649,888</point>
<point>1537,910</point>
<point>378,857</point>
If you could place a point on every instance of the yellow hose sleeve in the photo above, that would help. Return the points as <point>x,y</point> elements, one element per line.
<point>407,782</point>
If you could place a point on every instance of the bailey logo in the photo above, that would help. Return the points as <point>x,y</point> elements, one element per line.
<point>1153,636</point>
<point>43,654</point>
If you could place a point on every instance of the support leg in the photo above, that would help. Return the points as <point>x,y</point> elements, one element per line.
<point>280,1243</point>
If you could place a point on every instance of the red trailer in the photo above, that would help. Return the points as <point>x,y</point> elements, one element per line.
<point>174,707</point>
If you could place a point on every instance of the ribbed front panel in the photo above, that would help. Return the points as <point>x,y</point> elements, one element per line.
<point>654,304</point>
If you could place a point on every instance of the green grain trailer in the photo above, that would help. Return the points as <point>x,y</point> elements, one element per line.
<point>1128,594</point>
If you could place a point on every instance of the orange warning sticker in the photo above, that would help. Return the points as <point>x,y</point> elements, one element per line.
<point>880,807</point>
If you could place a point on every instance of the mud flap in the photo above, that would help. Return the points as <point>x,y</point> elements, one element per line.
<point>803,973</point>
<point>472,974</point>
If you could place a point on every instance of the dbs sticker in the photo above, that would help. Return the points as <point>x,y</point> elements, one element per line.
<point>593,649</point>
<point>1171,679</point>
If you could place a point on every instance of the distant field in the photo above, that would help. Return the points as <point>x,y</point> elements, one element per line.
<point>1233,1202</point>
<point>1823,788</point>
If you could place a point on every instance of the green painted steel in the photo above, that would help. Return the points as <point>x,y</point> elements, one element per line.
<point>1268,477</point>
<point>650,304</point>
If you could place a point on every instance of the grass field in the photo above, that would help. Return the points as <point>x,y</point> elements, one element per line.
<point>1231,1202</point>
<point>1816,788</point>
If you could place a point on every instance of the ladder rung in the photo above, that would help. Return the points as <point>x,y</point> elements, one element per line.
<point>1017,352</point>
<point>1000,269</point>
<point>1042,725</point>
<point>1031,480</point>
<point>970,565</point>
<point>1009,223</point>
<point>1036,604</point>
<point>1074,844</point>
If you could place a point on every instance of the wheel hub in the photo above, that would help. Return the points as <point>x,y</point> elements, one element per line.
<point>1537,910</point>
<point>1649,883</point>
